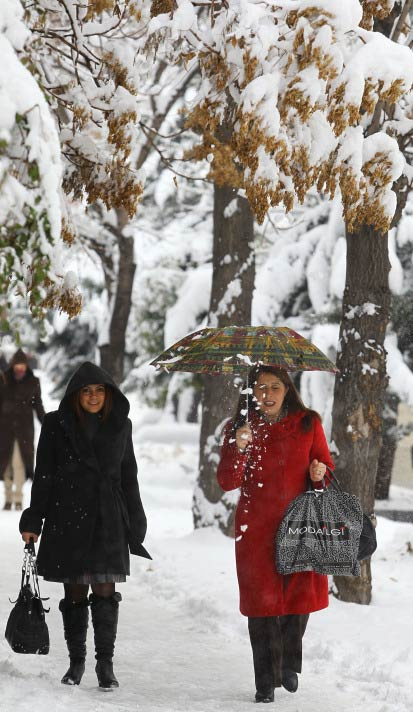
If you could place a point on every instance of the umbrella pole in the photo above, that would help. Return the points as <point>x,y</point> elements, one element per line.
<point>248,396</point>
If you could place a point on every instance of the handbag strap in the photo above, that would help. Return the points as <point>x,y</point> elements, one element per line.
<point>25,578</point>
<point>29,547</point>
<point>333,480</point>
<point>29,570</point>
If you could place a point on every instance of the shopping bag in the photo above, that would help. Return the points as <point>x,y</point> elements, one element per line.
<point>26,628</point>
<point>321,532</point>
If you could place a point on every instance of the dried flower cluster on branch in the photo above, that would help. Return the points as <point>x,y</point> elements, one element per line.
<point>287,94</point>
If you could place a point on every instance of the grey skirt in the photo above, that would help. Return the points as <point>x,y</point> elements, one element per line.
<point>89,579</point>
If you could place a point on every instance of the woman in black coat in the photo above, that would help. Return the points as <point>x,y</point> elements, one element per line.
<point>85,492</point>
<point>20,397</point>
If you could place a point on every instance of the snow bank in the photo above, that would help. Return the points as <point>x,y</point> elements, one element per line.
<point>182,433</point>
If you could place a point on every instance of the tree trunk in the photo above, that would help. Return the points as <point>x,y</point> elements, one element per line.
<point>389,445</point>
<point>361,384</point>
<point>112,354</point>
<point>230,304</point>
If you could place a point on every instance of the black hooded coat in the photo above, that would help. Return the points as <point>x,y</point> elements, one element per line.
<point>86,491</point>
<point>18,401</point>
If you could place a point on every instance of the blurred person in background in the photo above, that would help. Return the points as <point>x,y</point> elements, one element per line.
<point>3,365</point>
<point>20,395</point>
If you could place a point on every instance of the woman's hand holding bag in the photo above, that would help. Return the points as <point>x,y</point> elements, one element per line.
<point>27,536</point>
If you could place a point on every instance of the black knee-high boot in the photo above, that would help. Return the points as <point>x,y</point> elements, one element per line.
<point>75,621</point>
<point>105,612</point>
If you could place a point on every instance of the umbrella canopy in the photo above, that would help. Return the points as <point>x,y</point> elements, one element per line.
<point>232,348</point>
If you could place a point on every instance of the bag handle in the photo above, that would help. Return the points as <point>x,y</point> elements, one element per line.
<point>332,479</point>
<point>29,569</point>
<point>29,552</point>
<point>29,547</point>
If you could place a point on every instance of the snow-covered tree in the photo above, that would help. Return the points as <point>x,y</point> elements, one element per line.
<point>31,253</point>
<point>90,82</point>
<point>82,58</point>
<point>300,92</point>
<point>108,104</point>
<point>359,397</point>
<point>172,285</point>
<point>294,82</point>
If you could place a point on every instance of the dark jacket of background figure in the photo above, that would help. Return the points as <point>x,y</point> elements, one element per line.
<point>81,486</point>
<point>18,400</point>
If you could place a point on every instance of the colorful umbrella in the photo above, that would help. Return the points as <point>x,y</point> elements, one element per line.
<point>233,348</point>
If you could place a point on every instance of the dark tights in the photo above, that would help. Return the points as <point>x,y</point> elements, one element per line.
<point>77,592</point>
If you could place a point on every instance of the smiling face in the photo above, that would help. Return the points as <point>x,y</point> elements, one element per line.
<point>269,392</point>
<point>92,397</point>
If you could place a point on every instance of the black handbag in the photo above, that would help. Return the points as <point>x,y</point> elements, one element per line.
<point>26,628</point>
<point>368,540</point>
<point>324,530</point>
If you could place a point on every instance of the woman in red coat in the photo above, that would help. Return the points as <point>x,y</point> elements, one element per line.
<point>270,456</point>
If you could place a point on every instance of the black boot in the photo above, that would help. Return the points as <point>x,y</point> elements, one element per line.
<point>264,696</point>
<point>290,680</point>
<point>75,620</point>
<point>105,612</point>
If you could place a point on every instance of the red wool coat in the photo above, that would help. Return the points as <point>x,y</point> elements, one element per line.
<point>271,473</point>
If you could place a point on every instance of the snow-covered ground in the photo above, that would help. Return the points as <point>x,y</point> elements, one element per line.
<point>182,644</point>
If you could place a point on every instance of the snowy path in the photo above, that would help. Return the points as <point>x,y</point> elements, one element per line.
<point>182,644</point>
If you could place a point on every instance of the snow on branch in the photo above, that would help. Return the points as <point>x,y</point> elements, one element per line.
<point>287,92</point>
<point>84,55</point>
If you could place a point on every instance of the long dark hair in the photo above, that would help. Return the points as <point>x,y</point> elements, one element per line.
<point>107,406</point>
<point>292,400</point>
